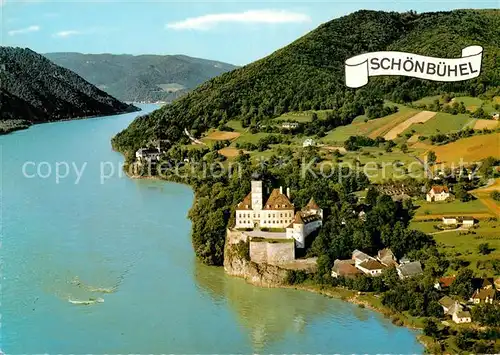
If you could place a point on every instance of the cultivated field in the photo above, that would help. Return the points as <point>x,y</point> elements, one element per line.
<point>229,152</point>
<point>484,196</point>
<point>420,117</point>
<point>471,149</point>
<point>371,128</point>
<point>222,136</point>
<point>441,123</point>
<point>485,124</point>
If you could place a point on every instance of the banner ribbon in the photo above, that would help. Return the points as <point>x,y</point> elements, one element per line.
<point>359,68</point>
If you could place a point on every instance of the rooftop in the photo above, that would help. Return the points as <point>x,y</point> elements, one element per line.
<point>410,269</point>
<point>278,201</point>
<point>371,265</point>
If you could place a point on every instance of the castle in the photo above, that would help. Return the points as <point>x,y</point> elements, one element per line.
<point>277,213</point>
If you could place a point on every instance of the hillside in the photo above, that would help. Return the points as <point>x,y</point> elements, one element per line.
<point>142,77</point>
<point>35,90</point>
<point>309,74</point>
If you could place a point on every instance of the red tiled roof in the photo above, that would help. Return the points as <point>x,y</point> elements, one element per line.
<point>278,201</point>
<point>312,205</point>
<point>298,219</point>
<point>344,268</point>
<point>439,188</point>
<point>246,204</point>
<point>446,281</point>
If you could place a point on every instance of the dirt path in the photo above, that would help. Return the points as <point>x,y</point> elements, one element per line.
<point>420,117</point>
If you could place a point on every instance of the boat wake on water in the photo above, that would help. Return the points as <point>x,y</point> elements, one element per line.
<point>88,302</point>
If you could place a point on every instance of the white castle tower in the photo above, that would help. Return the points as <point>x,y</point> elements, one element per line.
<point>256,195</point>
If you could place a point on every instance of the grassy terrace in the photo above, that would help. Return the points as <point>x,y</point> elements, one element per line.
<point>441,123</point>
<point>454,208</point>
<point>373,128</point>
<point>464,246</point>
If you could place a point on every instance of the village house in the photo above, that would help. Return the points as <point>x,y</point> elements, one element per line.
<point>444,283</point>
<point>495,116</point>
<point>410,269</point>
<point>468,222</point>
<point>278,213</point>
<point>359,257</point>
<point>345,268</point>
<point>465,222</point>
<point>371,267</point>
<point>148,154</point>
<point>386,257</point>
<point>447,303</point>
<point>309,142</point>
<point>455,310</point>
<point>485,295</point>
<point>438,193</point>
<point>447,220</point>
<point>290,125</point>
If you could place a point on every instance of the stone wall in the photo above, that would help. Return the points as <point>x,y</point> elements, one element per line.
<point>274,253</point>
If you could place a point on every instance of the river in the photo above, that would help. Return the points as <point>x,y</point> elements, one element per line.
<point>63,237</point>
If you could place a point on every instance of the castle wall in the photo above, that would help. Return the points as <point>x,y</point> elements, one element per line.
<point>272,253</point>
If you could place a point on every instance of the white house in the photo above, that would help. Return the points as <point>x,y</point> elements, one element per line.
<point>148,154</point>
<point>461,316</point>
<point>290,125</point>
<point>450,220</point>
<point>309,142</point>
<point>455,310</point>
<point>495,116</point>
<point>468,222</point>
<point>371,267</point>
<point>438,193</point>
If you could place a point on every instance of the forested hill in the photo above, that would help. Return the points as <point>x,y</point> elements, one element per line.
<point>36,90</point>
<point>309,73</point>
<point>142,77</point>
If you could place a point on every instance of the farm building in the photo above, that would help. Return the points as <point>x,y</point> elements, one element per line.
<point>438,193</point>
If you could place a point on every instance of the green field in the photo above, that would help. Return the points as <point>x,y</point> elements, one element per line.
<point>454,208</point>
<point>441,123</point>
<point>464,245</point>
<point>427,100</point>
<point>359,127</point>
<point>379,164</point>
<point>472,103</point>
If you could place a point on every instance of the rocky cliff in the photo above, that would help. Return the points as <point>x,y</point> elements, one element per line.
<point>237,263</point>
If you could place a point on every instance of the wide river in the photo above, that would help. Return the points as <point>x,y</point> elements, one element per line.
<point>71,238</point>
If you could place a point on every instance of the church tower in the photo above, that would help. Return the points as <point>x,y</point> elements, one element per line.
<point>256,195</point>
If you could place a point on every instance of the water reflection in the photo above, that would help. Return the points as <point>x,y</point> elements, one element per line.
<point>267,315</point>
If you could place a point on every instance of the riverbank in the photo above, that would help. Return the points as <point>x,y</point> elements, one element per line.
<point>9,126</point>
<point>273,276</point>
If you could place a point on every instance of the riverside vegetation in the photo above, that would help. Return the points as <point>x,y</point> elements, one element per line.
<point>308,75</point>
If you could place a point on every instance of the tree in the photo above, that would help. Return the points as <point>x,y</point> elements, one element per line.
<point>404,148</point>
<point>430,328</point>
<point>462,286</point>
<point>371,196</point>
<point>484,248</point>
<point>431,158</point>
